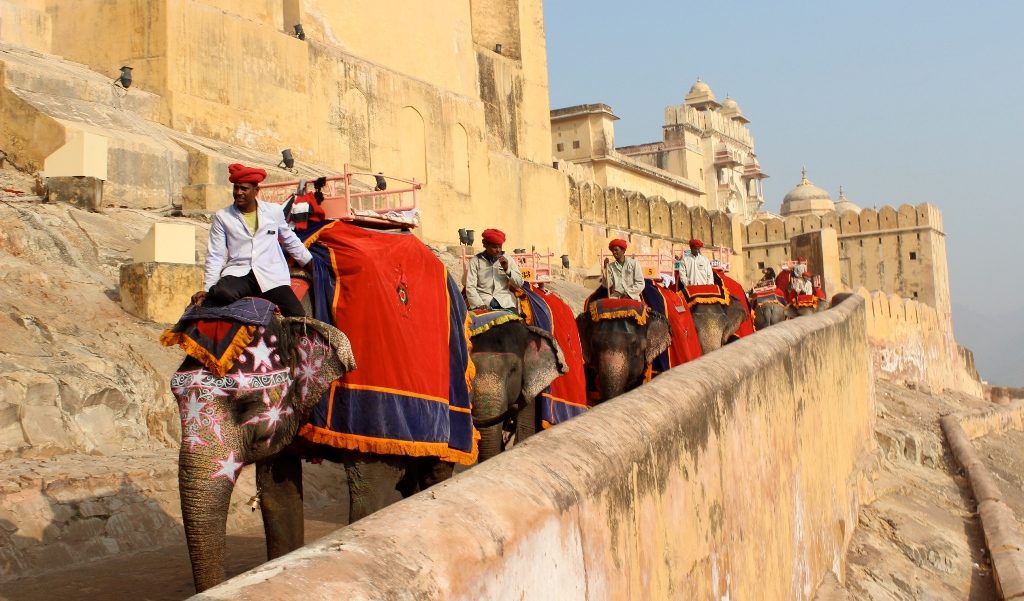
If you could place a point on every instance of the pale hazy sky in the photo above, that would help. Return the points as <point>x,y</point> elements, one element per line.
<point>895,101</point>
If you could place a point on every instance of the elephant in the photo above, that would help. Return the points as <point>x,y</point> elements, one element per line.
<point>514,363</point>
<point>620,350</point>
<point>716,323</point>
<point>768,314</point>
<point>793,310</point>
<point>236,419</point>
<point>242,418</point>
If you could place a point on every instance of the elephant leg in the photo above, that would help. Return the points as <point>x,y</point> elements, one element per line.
<point>373,482</point>
<point>279,480</point>
<point>424,472</point>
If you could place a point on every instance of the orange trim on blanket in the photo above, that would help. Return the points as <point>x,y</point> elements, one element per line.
<point>312,239</point>
<point>330,403</point>
<point>193,349</point>
<point>524,306</point>
<point>564,401</point>
<point>389,446</point>
<point>392,390</point>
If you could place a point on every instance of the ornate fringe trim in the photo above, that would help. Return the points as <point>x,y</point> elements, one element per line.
<point>493,323</point>
<point>811,303</point>
<point>219,367</point>
<point>470,366</point>
<point>640,318</point>
<point>388,446</point>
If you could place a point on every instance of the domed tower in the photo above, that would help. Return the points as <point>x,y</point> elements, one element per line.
<point>731,110</point>
<point>806,199</point>
<point>843,204</point>
<point>701,97</point>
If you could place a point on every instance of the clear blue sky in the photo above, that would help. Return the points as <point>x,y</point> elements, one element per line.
<point>895,101</point>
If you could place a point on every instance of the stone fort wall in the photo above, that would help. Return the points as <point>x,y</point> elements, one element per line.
<point>651,224</point>
<point>896,250</point>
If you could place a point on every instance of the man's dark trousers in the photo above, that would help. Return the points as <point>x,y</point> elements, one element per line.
<point>231,288</point>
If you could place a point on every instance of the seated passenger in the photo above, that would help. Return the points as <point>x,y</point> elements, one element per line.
<point>246,252</point>
<point>695,268</point>
<point>491,277</point>
<point>799,283</point>
<point>623,277</point>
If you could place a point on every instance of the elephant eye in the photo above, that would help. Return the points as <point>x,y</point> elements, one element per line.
<point>246,407</point>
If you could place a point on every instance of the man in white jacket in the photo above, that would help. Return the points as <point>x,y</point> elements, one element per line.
<point>245,255</point>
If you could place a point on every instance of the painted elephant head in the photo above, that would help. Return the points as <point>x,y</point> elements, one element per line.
<point>249,414</point>
<point>620,350</point>
<point>715,323</point>
<point>514,363</point>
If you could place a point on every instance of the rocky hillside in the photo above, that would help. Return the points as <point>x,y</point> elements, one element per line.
<point>77,373</point>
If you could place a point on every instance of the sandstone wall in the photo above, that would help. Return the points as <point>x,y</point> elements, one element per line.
<point>429,99</point>
<point>911,342</point>
<point>896,250</point>
<point>651,225</point>
<point>734,476</point>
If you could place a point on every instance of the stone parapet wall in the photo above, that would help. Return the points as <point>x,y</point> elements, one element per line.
<point>911,342</point>
<point>661,493</point>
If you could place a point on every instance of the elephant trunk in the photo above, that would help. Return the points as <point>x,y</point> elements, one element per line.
<point>613,375</point>
<point>490,436</point>
<point>710,322</point>
<point>204,510</point>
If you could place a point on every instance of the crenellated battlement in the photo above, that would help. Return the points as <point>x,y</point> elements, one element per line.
<point>887,219</point>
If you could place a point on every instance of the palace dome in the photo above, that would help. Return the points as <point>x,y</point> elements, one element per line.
<point>701,97</point>
<point>731,110</point>
<point>806,199</point>
<point>843,204</point>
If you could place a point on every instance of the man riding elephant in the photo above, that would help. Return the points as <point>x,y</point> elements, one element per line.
<point>623,277</point>
<point>491,278</point>
<point>244,255</point>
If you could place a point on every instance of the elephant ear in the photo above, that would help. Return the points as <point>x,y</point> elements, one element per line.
<point>301,326</point>
<point>659,336</point>
<point>543,361</point>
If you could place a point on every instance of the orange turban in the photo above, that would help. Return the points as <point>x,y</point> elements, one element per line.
<point>696,243</point>
<point>240,174</point>
<point>619,242</point>
<point>493,236</point>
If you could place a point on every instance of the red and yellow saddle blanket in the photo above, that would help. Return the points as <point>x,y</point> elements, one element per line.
<point>806,301</point>
<point>768,297</point>
<point>407,323</point>
<point>617,308</point>
<point>481,320</point>
<point>685,342</point>
<point>735,289</point>
<point>567,395</point>
<point>706,294</point>
<point>216,336</point>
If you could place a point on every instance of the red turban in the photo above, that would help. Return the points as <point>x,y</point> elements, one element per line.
<point>493,236</point>
<point>240,174</point>
<point>697,243</point>
<point>617,242</point>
